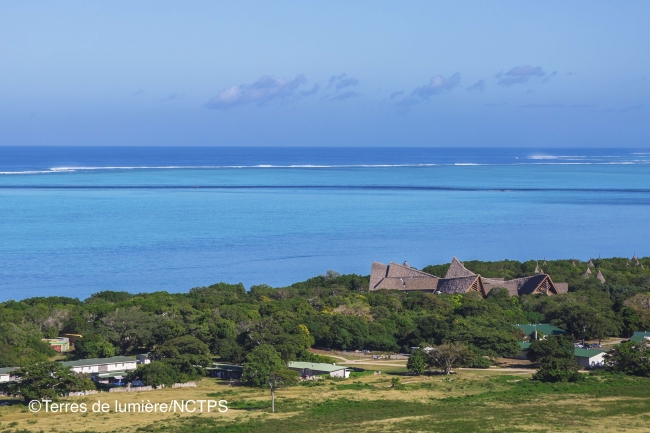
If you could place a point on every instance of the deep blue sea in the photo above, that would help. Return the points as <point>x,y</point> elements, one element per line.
<point>74,221</point>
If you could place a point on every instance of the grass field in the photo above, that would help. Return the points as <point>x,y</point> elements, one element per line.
<point>472,400</point>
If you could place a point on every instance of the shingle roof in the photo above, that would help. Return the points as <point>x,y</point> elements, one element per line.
<point>400,277</point>
<point>407,283</point>
<point>561,287</point>
<point>98,361</point>
<point>396,270</point>
<point>457,269</point>
<point>456,285</point>
<point>518,286</point>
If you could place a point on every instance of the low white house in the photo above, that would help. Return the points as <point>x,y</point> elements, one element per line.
<point>5,374</point>
<point>310,369</point>
<point>143,358</point>
<point>103,367</point>
<point>589,358</point>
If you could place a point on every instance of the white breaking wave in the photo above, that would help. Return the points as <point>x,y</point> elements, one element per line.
<point>567,161</point>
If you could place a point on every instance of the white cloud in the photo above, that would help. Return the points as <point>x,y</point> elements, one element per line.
<point>479,86</point>
<point>437,85</point>
<point>519,75</point>
<point>261,92</point>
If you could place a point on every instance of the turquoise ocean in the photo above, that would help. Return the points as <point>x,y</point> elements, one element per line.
<point>75,221</point>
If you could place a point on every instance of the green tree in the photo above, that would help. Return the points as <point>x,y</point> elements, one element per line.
<point>629,358</point>
<point>449,355</point>
<point>188,354</point>
<point>556,360</point>
<point>417,362</point>
<point>281,379</point>
<point>157,373</point>
<point>93,346</point>
<point>47,380</point>
<point>260,362</point>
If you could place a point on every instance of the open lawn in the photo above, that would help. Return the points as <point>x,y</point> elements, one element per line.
<point>472,400</point>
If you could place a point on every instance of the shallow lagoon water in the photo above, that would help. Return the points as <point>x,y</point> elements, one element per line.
<point>277,216</point>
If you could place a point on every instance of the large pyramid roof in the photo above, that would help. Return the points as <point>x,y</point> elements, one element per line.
<point>457,269</point>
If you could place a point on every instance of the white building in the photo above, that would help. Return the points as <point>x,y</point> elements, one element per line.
<point>143,358</point>
<point>308,370</point>
<point>5,374</point>
<point>103,368</point>
<point>589,358</point>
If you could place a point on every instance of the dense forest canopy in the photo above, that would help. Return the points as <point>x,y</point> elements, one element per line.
<point>332,311</point>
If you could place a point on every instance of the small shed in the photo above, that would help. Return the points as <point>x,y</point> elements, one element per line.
<point>143,358</point>
<point>5,374</point>
<point>310,369</point>
<point>225,371</point>
<point>589,358</point>
<point>60,344</point>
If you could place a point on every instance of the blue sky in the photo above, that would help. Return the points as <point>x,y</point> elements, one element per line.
<point>307,73</point>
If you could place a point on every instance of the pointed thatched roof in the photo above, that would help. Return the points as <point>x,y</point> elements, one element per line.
<point>402,277</point>
<point>541,271</point>
<point>456,285</point>
<point>573,262</point>
<point>637,263</point>
<point>457,269</point>
<point>591,264</point>
<point>587,273</point>
<point>544,264</point>
<point>599,275</point>
<point>536,269</point>
<point>634,257</point>
<point>540,283</point>
<point>627,265</point>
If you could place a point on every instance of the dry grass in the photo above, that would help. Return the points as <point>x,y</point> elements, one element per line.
<point>562,411</point>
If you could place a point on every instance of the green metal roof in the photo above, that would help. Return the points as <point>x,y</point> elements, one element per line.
<point>98,361</point>
<point>640,336</point>
<point>524,345</point>
<point>6,370</point>
<point>317,366</point>
<point>545,328</point>
<point>225,367</point>
<point>586,353</point>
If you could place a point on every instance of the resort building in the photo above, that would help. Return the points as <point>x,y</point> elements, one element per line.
<point>309,370</point>
<point>104,369</point>
<point>458,279</point>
